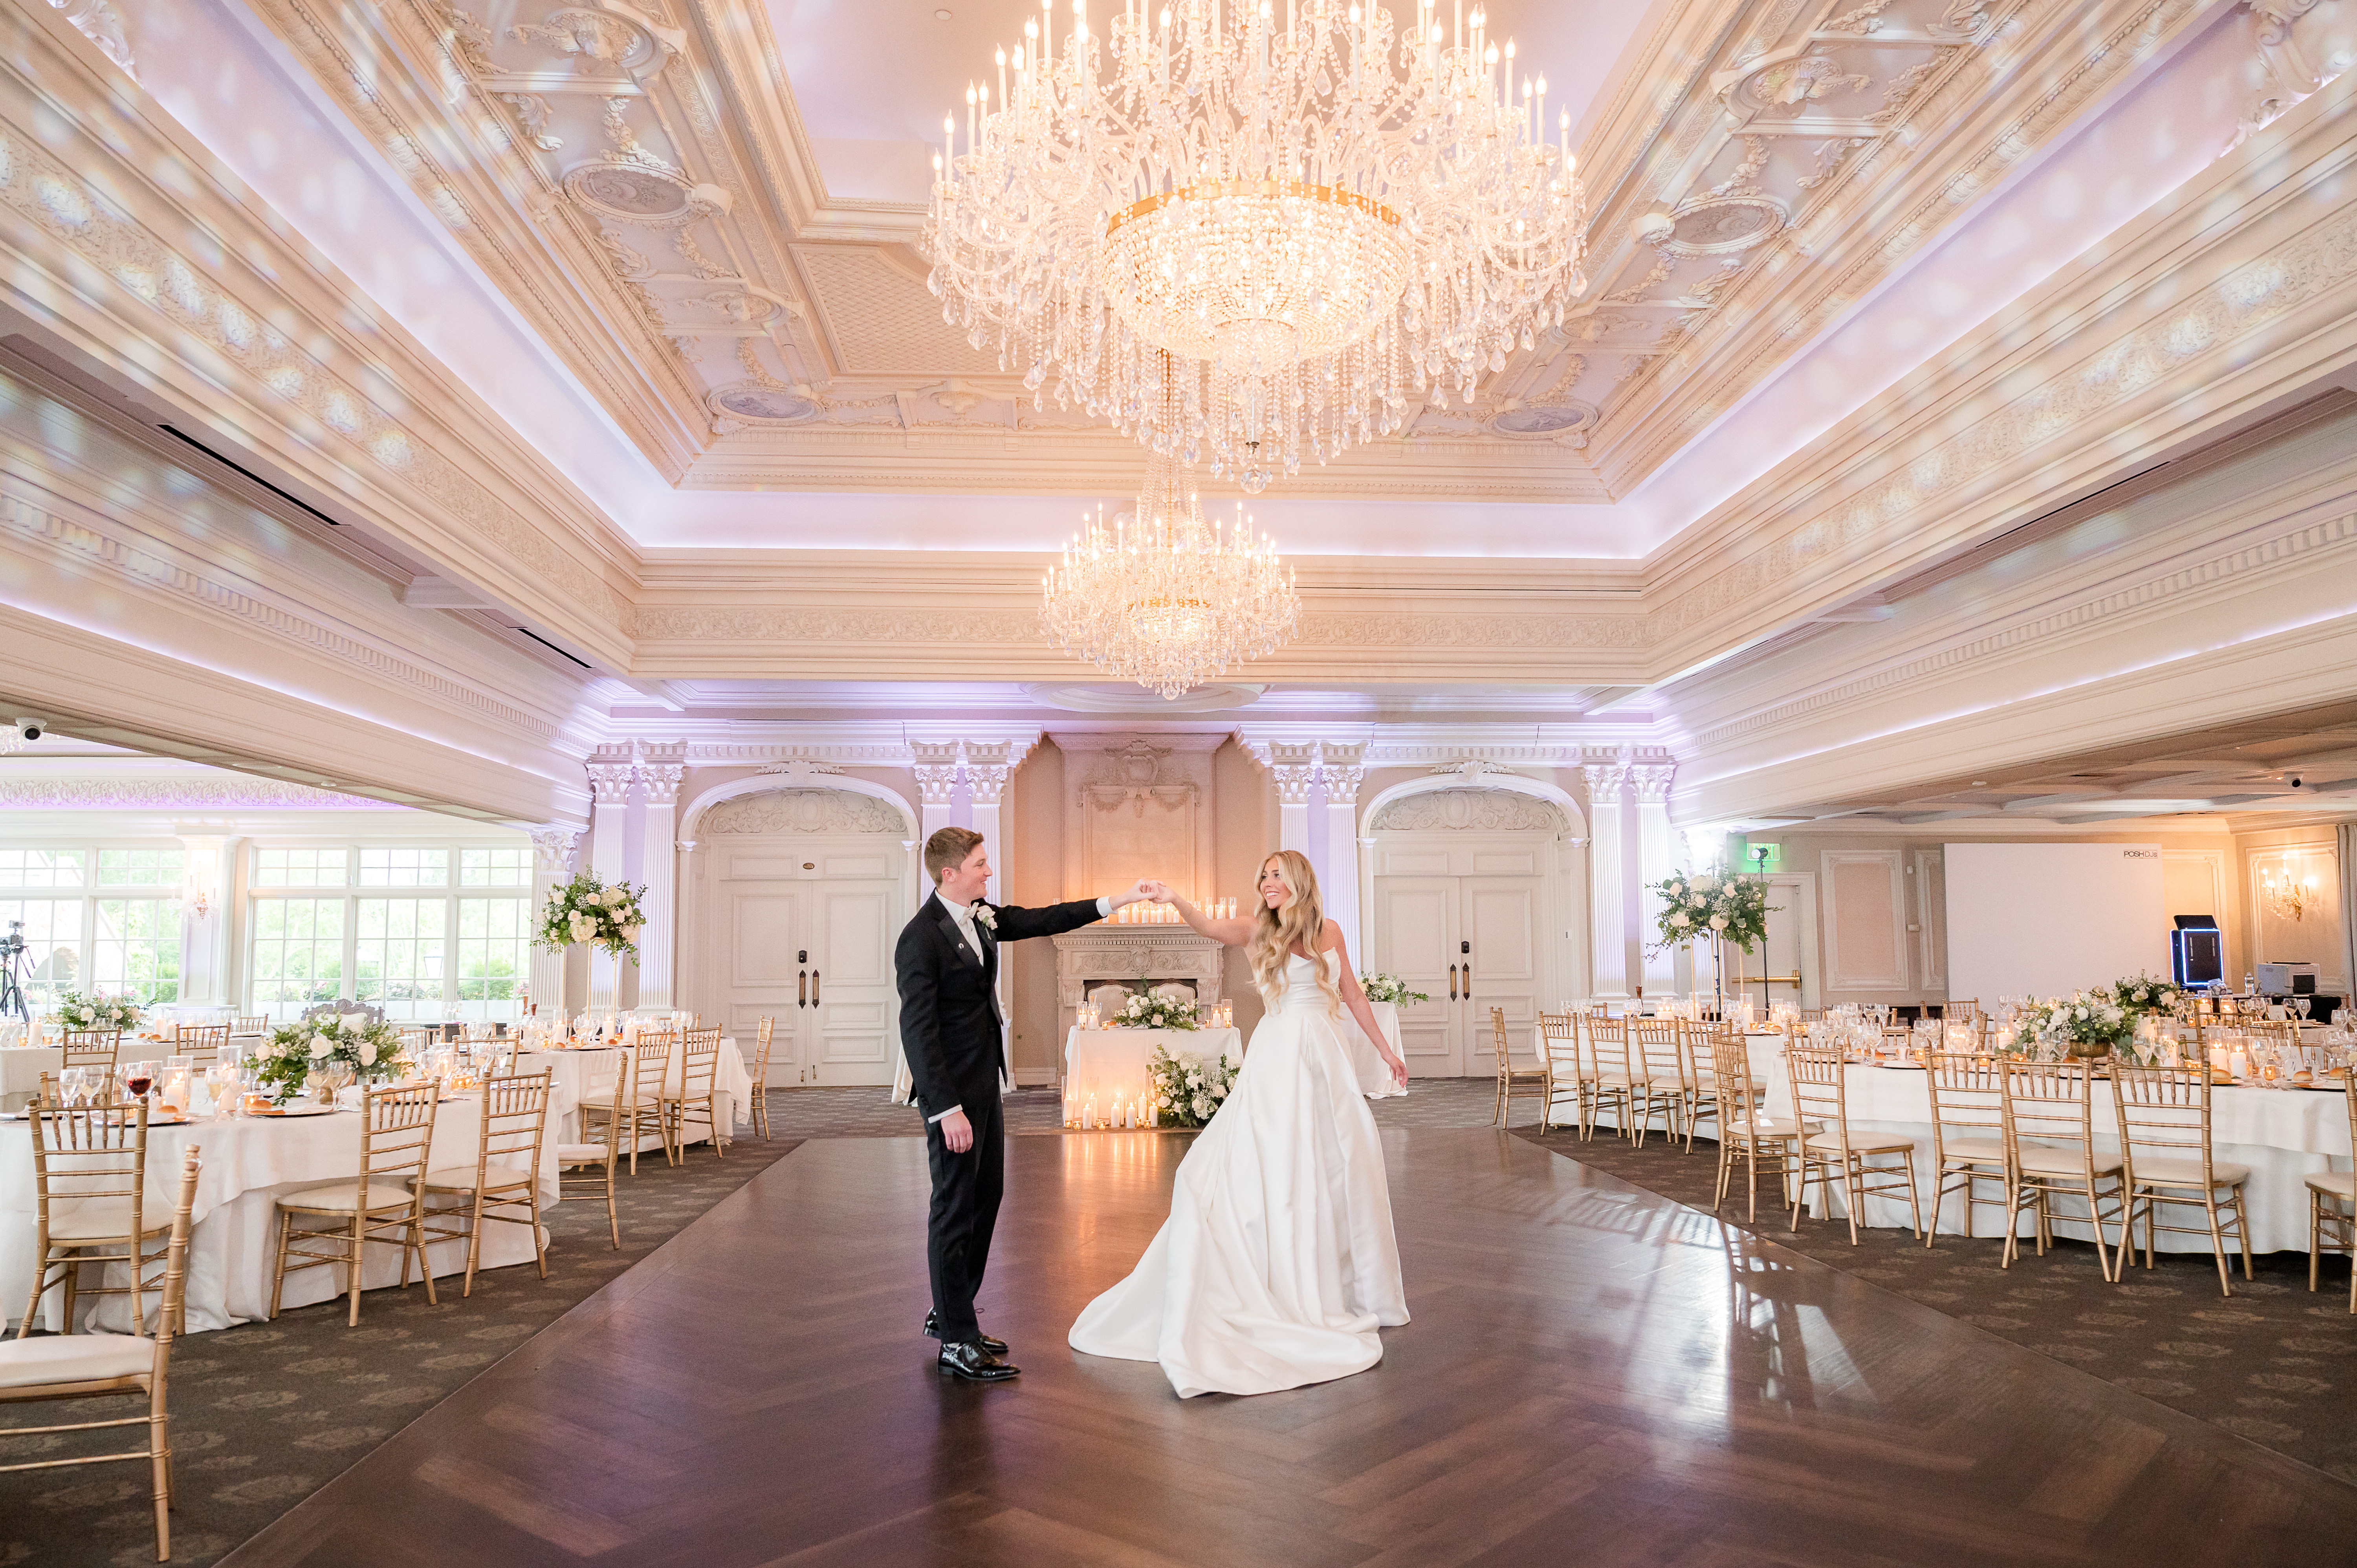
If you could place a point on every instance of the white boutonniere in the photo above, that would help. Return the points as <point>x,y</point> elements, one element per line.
<point>985,917</point>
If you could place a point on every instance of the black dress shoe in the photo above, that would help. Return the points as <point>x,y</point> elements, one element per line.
<point>975,1364</point>
<point>933,1331</point>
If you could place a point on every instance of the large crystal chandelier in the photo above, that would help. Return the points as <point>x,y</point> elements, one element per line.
<point>1316,217</point>
<point>1161,597</point>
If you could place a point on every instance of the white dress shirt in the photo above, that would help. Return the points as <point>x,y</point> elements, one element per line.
<point>963,918</point>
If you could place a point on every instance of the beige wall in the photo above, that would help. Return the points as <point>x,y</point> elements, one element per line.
<point>2318,936</point>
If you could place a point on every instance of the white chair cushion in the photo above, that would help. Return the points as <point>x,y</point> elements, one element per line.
<point>1769,1127</point>
<point>580,1154</point>
<point>1980,1151</point>
<point>74,1358</point>
<point>97,1219</point>
<point>2169,1172</point>
<point>1861,1143</point>
<point>461,1178</point>
<point>2037,1159</point>
<point>2334,1184</point>
<point>336,1197</point>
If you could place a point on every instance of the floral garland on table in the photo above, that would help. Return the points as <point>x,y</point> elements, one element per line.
<point>1732,908</point>
<point>286,1060</point>
<point>1389,988</point>
<point>587,910</point>
<point>78,1012</point>
<point>1150,1011</point>
<point>2050,1028</point>
<point>1189,1091</point>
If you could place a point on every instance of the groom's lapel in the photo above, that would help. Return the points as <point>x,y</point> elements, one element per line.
<point>950,933</point>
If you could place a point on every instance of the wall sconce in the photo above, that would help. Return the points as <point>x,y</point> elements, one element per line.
<point>2284,893</point>
<point>201,876</point>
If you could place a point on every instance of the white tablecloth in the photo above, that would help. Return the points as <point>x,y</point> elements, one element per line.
<point>576,1070</point>
<point>248,1161</point>
<point>1110,1065</point>
<point>2284,1136</point>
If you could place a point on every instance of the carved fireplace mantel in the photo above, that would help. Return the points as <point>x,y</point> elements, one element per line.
<point>1131,954</point>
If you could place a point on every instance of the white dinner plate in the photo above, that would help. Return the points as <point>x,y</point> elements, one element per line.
<point>303,1110</point>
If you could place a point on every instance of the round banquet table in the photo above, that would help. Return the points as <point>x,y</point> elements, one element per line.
<point>585,1074</point>
<point>232,1250</point>
<point>2282,1135</point>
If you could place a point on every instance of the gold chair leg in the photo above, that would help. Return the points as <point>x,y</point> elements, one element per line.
<point>474,1246</point>
<point>2315,1235</point>
<point>278,1280</point>
<point>2218,1245</point>
<point>40,1282</point>
<point>352,1266</point>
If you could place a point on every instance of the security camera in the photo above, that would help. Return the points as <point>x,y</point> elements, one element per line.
<point>2295,781</point>
<point>28,729</point>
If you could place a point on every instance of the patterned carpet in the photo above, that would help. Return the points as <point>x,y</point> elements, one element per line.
<point>266,1413</point>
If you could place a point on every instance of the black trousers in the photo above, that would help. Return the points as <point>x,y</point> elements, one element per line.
<point>966,1189</point>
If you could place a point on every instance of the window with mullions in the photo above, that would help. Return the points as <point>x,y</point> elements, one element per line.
<point>41,868</point>
<point>397,959</point>
<point>298,954</point>
<point>495,868</point>
<point>494,956</point>
<point>141,867</point>
<point>53,947</point>
<point>136,953</point>
<point>302,867</point>
<point>404,866</point>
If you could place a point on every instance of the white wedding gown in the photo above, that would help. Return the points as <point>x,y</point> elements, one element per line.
<point>1277,1263</point>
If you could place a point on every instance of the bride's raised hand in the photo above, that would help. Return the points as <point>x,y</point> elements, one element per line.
<point>1157,891</point>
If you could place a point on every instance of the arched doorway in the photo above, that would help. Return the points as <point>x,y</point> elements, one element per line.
<point>797,896</point>
<point>1473,905</point>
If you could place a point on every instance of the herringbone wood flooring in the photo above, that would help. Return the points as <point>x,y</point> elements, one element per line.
<point>1594,1375</point>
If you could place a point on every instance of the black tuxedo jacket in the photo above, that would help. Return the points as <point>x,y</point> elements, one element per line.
<point>949,1025</point>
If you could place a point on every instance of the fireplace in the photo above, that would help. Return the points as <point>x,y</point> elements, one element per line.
<point>1138,958</point>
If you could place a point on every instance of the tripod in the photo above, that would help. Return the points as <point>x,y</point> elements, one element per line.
<point>12,959</point>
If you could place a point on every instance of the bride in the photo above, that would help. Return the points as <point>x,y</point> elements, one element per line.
<point>1277,1263</point>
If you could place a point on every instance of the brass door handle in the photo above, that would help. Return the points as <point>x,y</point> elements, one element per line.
<point>1468,980</point>
<point>802,988</point>
<point>814,988</point>
<point>1452,982</point>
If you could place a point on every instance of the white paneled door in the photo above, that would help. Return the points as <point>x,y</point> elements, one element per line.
<point>807,934</point>
<point>1466,925</point>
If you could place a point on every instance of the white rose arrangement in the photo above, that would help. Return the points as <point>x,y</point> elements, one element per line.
<point>285,1060</point>
<point>76,1011</point>
<point>2080,1025</point>
<point>1390,988</point>
<point>1731,909</point>
<point>1188,1089</point>
<point>587,910</point>
<point>1149,1012</point>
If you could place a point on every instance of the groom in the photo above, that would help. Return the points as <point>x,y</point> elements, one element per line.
<point>951,1031</point>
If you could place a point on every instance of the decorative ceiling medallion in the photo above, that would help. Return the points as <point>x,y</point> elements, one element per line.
<point>1546,421</point>
<point>631,193</point>
<point>1128,696</point>
<point>1790,85</point>
<point>1721,225</point>
<point>757,404</point>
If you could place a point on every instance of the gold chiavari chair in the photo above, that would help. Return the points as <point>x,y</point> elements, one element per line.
<point>1820,1094</point>
<point>2050,1151</point>
<point>252,1024</point>
<point>646,1065</point>
<point>1511,1076</point>
<point>1747,1135</point>
<point>1706,1091</point>
<point>384,1204</point>
<point>503,1185</point>
<point>2327,1191</point>
<point>90,1186</point>
<point>208,1043</point>
<point>699,1055</point>
<point>415,1041</point>
<point>1967,1094</point>
<point>1566,1079</point>
<point>1608,1070</point>
<point>112,1365</point>
<point>93,1048</point>
<point>760,1106</point>
<point>1657,1079</point>
<point>591,1165</point>
<point>2166,1157</point>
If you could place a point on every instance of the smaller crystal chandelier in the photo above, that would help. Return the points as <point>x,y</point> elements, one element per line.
<point>1164,598</point>
<point>2285,893</point>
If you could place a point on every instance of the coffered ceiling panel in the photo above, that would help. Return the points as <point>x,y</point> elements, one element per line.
<point>880,320</point>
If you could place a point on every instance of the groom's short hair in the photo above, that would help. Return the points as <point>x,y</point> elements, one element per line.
<point>947,850</point>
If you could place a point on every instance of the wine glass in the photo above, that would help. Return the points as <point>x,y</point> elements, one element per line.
<point>138,1077</point>
<point>73,1086</point>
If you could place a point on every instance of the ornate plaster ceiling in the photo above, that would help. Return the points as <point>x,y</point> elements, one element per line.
<point>706,207</point>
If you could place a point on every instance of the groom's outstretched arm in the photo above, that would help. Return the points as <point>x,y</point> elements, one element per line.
<point>920,1025</point>
<point>1015,925</point>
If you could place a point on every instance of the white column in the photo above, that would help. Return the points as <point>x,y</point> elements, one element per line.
<point>1343,768</point>
<point>936,769</point>
<point>987,772</point>
<point>610,783</point>
<point>659,868</point>
<point>552,867</point>
<point>1607,903</point>
<point>1296,768</point>
<point>204,920</point>
<point>1657,853</point>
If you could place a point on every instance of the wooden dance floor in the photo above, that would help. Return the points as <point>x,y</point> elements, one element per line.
<point>1594,1375</point>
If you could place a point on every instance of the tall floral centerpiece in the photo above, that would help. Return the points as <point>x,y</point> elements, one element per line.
<point>588,910</point>
<point>369,1049</point>
<point>1716,910</point>
<point>77,1012</point>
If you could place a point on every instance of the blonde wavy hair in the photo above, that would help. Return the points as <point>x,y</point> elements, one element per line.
<point>1302,921</point>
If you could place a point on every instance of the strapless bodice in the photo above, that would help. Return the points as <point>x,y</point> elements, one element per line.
<point>1301,993</point>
